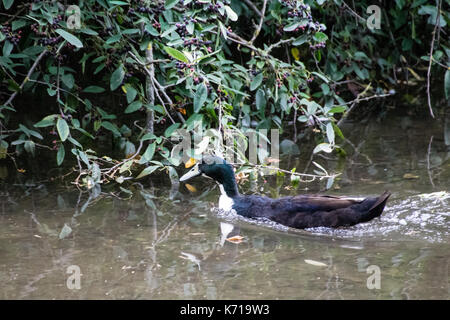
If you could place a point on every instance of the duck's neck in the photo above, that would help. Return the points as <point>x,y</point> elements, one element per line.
<point>229,187</point>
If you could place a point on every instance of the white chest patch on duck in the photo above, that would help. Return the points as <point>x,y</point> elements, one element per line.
<point>225,202</point>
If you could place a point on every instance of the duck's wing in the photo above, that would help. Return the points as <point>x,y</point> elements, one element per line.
<point>309,211</point>
<point>323,203</point>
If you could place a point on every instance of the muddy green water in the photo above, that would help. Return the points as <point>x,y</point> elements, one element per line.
<point>130,250</point>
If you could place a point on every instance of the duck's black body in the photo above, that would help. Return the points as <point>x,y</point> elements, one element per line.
<point>309,211</point>
<point>302,211</point>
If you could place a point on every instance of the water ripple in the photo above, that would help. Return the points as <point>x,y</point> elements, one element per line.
<point>421,217</point>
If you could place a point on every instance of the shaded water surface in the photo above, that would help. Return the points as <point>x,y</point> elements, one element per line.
<point>169,244</point>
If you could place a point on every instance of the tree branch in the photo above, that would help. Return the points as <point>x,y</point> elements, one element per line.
<point>27,77</point>
<point>431,58</point>
<point>261,20</point>
<point>149,125</point>
<point>254,8</point>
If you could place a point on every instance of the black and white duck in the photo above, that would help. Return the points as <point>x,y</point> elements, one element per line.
<point>301,211</point>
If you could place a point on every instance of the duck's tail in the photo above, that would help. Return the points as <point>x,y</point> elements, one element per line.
<point>376,208</point>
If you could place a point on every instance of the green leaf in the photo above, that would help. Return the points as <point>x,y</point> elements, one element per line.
<point>325,88</point>
<point>447,84</point>
<point>113,39</point>
<point>292,26</point>
<point>8,3</point>
<point>70,38</point>
<point>200,97</point>
<point>321,76</point>
<point>134,106</point>
<point>63,129</point>
<point>223,30</point>
<point>149,152</point>
<point>325,147</point>
<point>109,126</point>
<point>330,133</point>
<point>30,147</point>
<point>147,171</point>
<point>68,80</point>
<point>256,82</point>
<point>60,155</point>
<point>338,131</point>
<point>7,48</point>
<point>170,4</point>
<point>320,37</point>
<point>117,78</point>
<point>131,94</point>
<point>47,121</point>
<point>260,101</point>
<point>174,53</point>
<point>171,129</point>
<point>93,89</point>
<point>338,109</point>
<point>126,166</point>
<point>231,14</point>
<point>89,31</point>
<point>300,40</point>
<point>190,27</point>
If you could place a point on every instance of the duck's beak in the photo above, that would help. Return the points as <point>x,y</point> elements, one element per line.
<point>195,171</point>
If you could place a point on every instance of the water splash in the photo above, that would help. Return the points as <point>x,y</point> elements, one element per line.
<point>421,217</point>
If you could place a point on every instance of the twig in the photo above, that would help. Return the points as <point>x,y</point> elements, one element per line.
<point>428,162</point>
<point>313,176</point>
<point>58,94</point>
<point>261,20</point>
<point>61,89</point>
<point>431,57</point>
<point>295,124</point>
<point>116,167</point>
<point>149,125</point>
<point>353,12</point>
<point>279,43</point>
<point>251,5</point>
<point>27,77</point>
<point>357,100</point>
<point>440,64</point>
<point>157,85</point>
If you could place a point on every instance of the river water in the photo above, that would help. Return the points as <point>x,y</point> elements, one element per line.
<point>168,243</point>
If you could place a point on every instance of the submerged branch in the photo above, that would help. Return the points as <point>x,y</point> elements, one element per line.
<point>431,58</point>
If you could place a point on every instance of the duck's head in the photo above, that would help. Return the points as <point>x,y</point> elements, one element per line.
<point>215,168</point>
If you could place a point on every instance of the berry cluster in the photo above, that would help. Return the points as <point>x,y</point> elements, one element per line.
<point>221,95</point>
<point>55,146</point>
<point>317,46</point>
<point>279,83</point>
<point>56,21</point>
<point>143,8</point>
<point>127,75</point>
<point>214,7</point>
<point>156,25</point>
<point>302,11</point>
<point>195,41</point>
<point>181,27</point>
<point>181,66</point>
<point>198,79</point>
<point>14,38</point>
<point>50,41</point>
